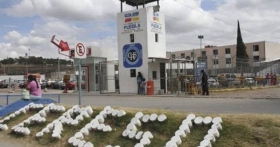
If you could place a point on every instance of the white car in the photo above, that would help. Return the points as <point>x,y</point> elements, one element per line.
<point>211,82</point>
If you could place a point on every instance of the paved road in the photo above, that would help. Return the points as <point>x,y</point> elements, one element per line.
<point>201,105</point>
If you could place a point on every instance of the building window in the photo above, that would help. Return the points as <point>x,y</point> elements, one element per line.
<point>228,60</point>
<point>183,55</point>
<point>255,48</point>
<point>227,50</point>
<point>154,74</point>
<point>203,53</point>
<point>131,37</point>
<point>156,37</point>
<point>132,73</point>
<point>215,52</point>
<point>173,56</point>
<point>216,61</point>
<point>256,58</point>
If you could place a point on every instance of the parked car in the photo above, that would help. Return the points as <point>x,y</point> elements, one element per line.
<point>22,84</point>
<point>71,85</point>
<point>57,85</point>
<point>213,82</point>
<point>43,85</point>
<point>249,81</point>
<point>4,84</point>
<point>49,83</point>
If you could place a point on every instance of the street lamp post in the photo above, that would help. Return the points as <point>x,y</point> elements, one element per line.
<point>200,37</point>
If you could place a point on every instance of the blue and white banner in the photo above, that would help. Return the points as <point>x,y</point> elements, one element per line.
<point>200,65</point>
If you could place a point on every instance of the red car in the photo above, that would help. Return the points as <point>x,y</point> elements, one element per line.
<point>72,85</point>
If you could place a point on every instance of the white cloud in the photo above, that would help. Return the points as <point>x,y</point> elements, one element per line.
<point>85,20</point>
<point>85,10</point>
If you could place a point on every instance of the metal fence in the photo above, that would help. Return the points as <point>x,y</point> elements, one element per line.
<point>43,69</point>
<point>248,74</point>
<point>6,99</point>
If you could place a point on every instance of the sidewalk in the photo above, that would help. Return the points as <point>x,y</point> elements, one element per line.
<point>245,93</point>
<point>262,93</point>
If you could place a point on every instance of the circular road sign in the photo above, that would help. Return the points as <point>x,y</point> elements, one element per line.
<point>80,49</point>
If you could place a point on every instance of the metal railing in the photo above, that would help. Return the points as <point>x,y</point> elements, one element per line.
<point>14,97</point>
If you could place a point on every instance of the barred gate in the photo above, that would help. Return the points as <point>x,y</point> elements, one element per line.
<point>109,78</point>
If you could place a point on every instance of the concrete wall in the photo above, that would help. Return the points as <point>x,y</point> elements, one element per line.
<point>155,67</point>
<point>156,25</point>
<point>272,51</point>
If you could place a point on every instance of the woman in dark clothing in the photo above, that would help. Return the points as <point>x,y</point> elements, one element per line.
<point>139,81</point>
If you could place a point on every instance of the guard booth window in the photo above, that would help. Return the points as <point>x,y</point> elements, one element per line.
<point>156,37</point>
<point>154,74</point>
<point>131,38</point>
<point>132,73</point>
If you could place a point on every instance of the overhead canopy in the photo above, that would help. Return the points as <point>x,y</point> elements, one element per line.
<point>138,2</point>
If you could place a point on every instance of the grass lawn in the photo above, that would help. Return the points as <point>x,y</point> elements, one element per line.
<point>238,130</point>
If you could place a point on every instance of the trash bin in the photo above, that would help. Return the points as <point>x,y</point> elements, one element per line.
<point>150,87</point>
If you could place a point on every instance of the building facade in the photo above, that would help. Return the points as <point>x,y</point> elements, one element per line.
<point>222,57</point>
<point>141,41</point>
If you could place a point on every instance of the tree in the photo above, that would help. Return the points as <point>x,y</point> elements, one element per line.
<point>8,61</point>
<point>242,58</point>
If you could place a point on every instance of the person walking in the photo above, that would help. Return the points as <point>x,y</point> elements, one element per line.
<point>204,83</point>
<point>139,79</point>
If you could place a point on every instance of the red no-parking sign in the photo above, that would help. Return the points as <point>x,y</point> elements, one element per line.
<point>80,51</point>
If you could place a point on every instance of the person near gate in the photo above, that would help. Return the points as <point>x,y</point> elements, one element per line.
<point>204,83</point>
<point>139,79</point>
<point>34,87</point>
<point>143,87</point>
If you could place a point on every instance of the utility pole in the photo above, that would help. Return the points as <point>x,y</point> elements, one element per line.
<point>26,57</point>
<point>58,68</point>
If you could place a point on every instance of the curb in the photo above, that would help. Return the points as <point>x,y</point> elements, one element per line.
<point>175,96</point>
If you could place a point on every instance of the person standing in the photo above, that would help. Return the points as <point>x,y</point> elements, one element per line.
<point>143,87</point>
<point>140,79</point>
<point>204,83</point>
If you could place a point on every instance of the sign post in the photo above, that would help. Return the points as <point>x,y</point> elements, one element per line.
<point>80,53</point>
<point>80,87</point>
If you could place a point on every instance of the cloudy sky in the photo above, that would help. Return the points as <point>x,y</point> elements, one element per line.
<point>30,24</point>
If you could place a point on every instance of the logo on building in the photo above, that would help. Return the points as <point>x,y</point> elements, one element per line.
<point>131,17</point>
<point>156,26</point>
<point>156,17</point>
<point>132,55</point>
<point>132,23</point>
